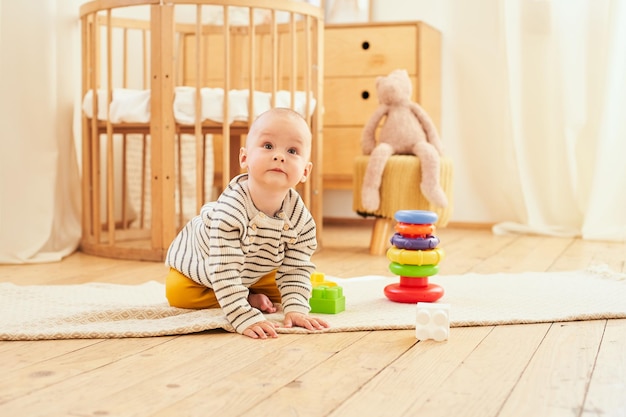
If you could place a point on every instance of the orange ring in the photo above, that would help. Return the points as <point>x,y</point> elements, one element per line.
<point>414,230</point>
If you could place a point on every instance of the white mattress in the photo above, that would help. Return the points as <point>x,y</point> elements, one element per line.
<point>133,106</point>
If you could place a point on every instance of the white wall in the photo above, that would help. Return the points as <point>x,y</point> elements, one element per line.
<point>472,115</point>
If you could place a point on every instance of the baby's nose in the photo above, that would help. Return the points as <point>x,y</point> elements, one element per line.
<point>279,157</point>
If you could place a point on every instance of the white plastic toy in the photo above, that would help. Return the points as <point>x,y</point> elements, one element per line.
<point>433,321</point>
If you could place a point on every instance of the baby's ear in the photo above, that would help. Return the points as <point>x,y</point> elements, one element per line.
<point>243,157</point>
<point>307,172</point>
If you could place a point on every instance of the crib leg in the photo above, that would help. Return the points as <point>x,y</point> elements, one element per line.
<point>124,185</point>
<point>179,175</point>
<point>144,164</point>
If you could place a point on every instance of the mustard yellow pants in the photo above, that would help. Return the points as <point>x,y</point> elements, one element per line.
<point>183,292</point>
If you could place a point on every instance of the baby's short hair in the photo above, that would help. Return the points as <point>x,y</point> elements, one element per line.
<point>286,111</point>
<point>280,110</point>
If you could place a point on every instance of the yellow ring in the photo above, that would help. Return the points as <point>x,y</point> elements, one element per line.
<point>415,257</point>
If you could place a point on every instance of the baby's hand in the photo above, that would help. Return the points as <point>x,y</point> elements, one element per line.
<point>302,320</point>
<point>261,330</point>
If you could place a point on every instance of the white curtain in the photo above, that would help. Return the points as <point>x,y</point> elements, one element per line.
<point>566,98</point>
<point>39,80</point>
<point>533,103</point>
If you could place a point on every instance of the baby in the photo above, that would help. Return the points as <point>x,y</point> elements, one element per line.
<point>252,248</point>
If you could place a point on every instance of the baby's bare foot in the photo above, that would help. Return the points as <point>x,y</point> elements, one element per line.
<point>262,302</point>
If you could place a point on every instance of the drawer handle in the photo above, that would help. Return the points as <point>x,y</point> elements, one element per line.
<point>365,45</point>
<point>365,95</point>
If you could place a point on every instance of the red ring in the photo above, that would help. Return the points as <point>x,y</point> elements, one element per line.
<point>402,294</point>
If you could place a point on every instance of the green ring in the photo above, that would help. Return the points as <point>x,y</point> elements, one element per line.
<point>413,270</point>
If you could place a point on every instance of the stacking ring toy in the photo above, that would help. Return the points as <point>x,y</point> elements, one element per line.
<point>416,216</point>
<point>413,270</point>
<point>417,243</point>
<point>415,230</point>
<point>415,257</point>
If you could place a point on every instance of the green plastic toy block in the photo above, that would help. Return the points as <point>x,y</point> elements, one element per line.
<point>327,300</point>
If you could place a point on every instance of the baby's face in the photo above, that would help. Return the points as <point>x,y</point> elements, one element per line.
<point>277,151</point>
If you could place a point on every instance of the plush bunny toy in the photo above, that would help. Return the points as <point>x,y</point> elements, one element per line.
<point>407,130</point>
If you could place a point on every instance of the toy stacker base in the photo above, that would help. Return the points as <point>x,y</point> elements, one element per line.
<point>413,290</point>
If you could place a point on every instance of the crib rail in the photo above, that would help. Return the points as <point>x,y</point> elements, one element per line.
<point>149,45</point>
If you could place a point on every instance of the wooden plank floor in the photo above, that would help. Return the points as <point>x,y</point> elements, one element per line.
<point>559,369</point>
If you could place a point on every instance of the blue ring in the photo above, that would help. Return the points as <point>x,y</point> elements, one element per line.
<point>416,216</point>
<point>417,243</point>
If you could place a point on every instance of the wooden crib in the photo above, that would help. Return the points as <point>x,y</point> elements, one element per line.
<point>168,85</point>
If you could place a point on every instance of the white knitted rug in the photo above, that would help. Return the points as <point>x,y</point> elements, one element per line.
<point>97,310</point>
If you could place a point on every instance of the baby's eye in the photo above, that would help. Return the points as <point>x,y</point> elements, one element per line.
<point>293,151</point>
<point>267,145</point>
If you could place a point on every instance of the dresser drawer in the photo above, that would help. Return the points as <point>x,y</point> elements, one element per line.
<point>350,101</point>
<point>372,50</point>
<point>341,145</point>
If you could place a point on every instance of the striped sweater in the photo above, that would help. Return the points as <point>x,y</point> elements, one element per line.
<point>230,245</point>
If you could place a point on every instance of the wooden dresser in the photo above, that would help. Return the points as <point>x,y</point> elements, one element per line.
<point>355,54</point>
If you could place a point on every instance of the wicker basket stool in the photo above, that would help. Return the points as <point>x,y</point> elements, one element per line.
<point>400,190</point>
